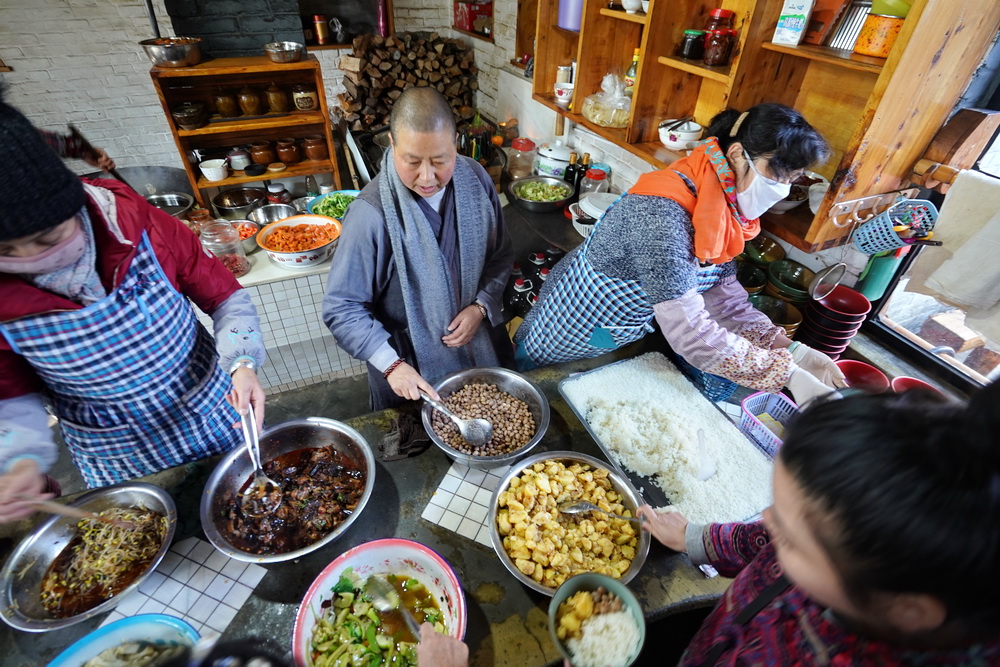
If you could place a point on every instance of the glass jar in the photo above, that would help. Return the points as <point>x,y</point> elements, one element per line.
<point>521,160</point>
<point>250,102</point>
<point>277,194</point>
<point>718,47</point>
<point>693,45</point>
<point>288,151</point>
<point>277,99</point>
<point>226,104</point>
<point>197,218</point>
<point>594,181</point>
<point>718,19</point>
<point>316,148</point>
<point>304,97</point>
<point>262,153</point>
<point>221,239</point>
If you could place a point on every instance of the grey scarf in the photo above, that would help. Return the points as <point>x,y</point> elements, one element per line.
<point>79,282</point>
<point>428,292</point>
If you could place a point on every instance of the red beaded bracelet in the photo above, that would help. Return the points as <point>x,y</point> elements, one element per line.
<point>393,366</point>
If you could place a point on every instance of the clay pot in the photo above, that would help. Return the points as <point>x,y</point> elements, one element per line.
<point>250,102</point>
<point>288,151</point>
<point>316,148</point>
<point>226,104</point>
<point>261,152</point>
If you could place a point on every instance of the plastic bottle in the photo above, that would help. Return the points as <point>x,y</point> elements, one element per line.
<point>536,262</point>
<point>594,181</point>
<point>519,302</point>
<point>312,190</point>
<point>570,15</point>
<point>631,73</point>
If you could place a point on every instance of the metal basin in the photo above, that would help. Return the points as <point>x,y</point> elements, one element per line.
<point>506,381</point>
<point>174,203</point>
<point>236,204</point>
<point>21,578</point>
<point>514,187</point>
<point>235,469</point>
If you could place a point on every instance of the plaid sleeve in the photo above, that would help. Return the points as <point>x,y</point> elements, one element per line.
<point>731,546</point>
<point>64,145</point>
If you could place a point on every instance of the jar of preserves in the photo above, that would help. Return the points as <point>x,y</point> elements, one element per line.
<point>718,19</point>
<point>262,153</point>
<point>220,238</point>
<point>277,99</point>
<point>304,97</point>
<point>718,47</point>
<point>693,45</point>
<point>522,158</point>
<point>250,102</point>
<point>198,218</point>
<point>288,151</point>
<point>316,148</point>
<point>277,194</point>
<point>226,104</point>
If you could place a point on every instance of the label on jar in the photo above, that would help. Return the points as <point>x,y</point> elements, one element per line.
<point>305,100</point>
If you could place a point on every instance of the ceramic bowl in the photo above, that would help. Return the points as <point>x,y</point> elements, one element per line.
<point>591,581</point>
<point>798,195</point>
<point>159,629</point>
<point>781,313</point>
<point>762,250</point>
<point>214,170</point>
<point>905,383</point>
<point>305,259</point>
<point>844,305</point>
<point>682,137</point>
<point>790,277</point>
<point>382,557</point>
<point>865,377</point>
<point>564,94</point>
<point>751,277</point>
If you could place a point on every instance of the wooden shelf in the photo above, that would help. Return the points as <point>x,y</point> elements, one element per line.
<point>720,74</point>
<point>269,122</point>
<point>567,33</point>
<point>792,226</point>
<point>329,47</point>
<point>655,153</point>
<point>303,168</point>
<point>473,33</point>
<point>825,54</point>
<point>230,66</point>
<point>622,15</point>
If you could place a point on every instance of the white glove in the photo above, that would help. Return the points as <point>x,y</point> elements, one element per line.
<point>819,365</point>
<point>805,387</point>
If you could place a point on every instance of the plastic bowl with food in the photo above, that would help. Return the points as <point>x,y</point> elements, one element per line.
<point>284,52</point>
<point>630,499</point>
<point>173,51</point>
<point>351,451</point>
<point>590,582</point>
<point>539,194</point>
<point>301,241</point>
<point>507,381</point>
<point>248,230</point>
<point>392,556</point>
<point>333,204</point>
<point>25,570</point>
<point>155,637</point>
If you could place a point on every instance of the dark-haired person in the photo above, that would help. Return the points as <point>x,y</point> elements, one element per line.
<point>881,547</point>
<point>96,288</point>
<point>416,291</point>
<point>665,250</point>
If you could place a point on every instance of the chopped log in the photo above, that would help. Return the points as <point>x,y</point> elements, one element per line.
<point>351,64</point>
<point>434,77</point>
<point>385,65</point>
<point>394,94</point>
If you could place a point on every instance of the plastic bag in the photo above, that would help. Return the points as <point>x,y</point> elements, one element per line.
<point>611,107</point>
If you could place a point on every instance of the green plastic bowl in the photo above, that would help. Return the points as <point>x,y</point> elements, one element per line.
<point>591,581</point>
<point>790,278</point>
<point>751,277</point>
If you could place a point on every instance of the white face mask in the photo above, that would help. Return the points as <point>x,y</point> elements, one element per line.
<point>60,256</point>
<point>761,194</point>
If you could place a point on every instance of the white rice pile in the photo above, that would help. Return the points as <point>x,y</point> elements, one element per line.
<point>607,640</point>
<point>647,414</point>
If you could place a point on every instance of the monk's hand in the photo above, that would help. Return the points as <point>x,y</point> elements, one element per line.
<point>247,389</point>
<point>23,484</point>
<point>440,650</point>
<point>406,382</point>
<point>669,528</point>
<point>463,327</point>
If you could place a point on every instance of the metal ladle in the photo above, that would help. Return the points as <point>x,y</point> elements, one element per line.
<point>386,598</point>
<point>476,432</point>
<point>581,506</point>
<point>263,495</point>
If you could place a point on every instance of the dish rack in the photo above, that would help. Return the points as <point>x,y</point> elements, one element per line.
<point>780,407</point>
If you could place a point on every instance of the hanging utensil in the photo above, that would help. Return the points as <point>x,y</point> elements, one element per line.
<point>263,495</point>
<point>476,432</point>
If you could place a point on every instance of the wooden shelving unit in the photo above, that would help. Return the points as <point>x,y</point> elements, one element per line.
<point>200,83</point>
<point>877,114</point>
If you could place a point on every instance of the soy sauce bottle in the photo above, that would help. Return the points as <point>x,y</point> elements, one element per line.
<point>572,175</point>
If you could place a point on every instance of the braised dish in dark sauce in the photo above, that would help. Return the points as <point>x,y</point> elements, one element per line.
<point>320,488</point>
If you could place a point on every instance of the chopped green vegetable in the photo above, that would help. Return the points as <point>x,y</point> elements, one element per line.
<point>333,205</point>
<point>538,191</point>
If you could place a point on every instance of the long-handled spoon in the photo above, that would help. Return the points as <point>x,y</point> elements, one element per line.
<point>385,598</point>
<point>476,432</point>
<point>263,495</point>
<point>580,506</point>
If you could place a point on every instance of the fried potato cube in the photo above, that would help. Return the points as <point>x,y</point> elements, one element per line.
<point>503,522</point>
<point>571,623</point>
<point>622,539</point>
<point>526,566</point>
<point>628,552</point>
<point>517,516</point>
<point>538,572</point>
<point>583,606</point>
<point>576,554</point>
<point>540,558</point>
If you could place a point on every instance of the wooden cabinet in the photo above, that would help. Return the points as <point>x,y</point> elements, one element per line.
<point>878,114</point>
<point>201,82</point>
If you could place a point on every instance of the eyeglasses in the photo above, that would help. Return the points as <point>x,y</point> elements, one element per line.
<point>791,178</point>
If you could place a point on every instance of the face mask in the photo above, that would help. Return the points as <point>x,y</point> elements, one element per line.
<point>56,258</point>
<point>761,194</point>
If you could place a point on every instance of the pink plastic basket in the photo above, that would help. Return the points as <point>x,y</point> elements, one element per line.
<point>779,406</point>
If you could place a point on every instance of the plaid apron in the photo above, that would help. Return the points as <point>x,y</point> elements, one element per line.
<point>588,313</point>
<point>133,378</point>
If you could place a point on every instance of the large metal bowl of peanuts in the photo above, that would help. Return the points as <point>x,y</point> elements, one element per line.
<point>514,405</point>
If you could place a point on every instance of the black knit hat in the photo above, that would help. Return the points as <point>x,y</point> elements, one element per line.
<point>37,191</point>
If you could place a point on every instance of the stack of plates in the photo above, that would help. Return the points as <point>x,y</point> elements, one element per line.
<point>751,277</point>
<point>832,322</point>
<point>761,251</point>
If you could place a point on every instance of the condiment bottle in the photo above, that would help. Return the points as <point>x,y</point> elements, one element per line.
<point>277,194</point>
<point>322,29</point>
<point>553,255</point>
<point>693,45</point>
<point>718,19</point>
<point>631,73</point>
<point>572,175</point>
<point>222,240</point>
<point>519,303</point>
<point>522,158</point>
<point>536,262</point>
<point>594,181</point>
<point>718,47</point>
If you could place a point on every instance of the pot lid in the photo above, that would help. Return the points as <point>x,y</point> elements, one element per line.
<point>596,204</point>
<point>555,151</point>
<point>523,144</point>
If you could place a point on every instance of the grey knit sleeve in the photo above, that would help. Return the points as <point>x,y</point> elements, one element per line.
<point>647,239</point>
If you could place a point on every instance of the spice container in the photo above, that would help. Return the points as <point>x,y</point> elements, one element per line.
<point>594,181</point>
<point>316,148</point>
<point>250,102</point>
<point>288,151</point>
<point>304,97</point>
<point>223,240</point>
<point>226,104</point>
<point>262,153</point>
<point>521,160</point>
<point>693,45</point>
<point>718,47</point>
<point>277,99</point>
<point>277,194</point>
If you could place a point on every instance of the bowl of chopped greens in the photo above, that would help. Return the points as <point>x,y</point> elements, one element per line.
<point>333,204</point>
<point>539,194</point>
<point>338,619</point>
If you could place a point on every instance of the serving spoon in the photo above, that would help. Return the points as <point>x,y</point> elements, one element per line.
<point>476,432</point>
<point>581,506</point>
<point>386,598</point>
<point>263,495</point>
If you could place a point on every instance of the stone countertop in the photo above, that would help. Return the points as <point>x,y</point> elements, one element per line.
<point>507,621</point>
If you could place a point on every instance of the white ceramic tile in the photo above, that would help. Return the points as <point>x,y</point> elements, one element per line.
<point>151,583</point>
<point>234,568</point>
<point>131,603</point>
<point>170,561</point>
<point>458,470</point>
<point>151,606</point>
<point>484,496</point>
<point>467,490</point>
<point>184,600</point>
<point>201,552</point>
<point>450,483</point>
<point>476,512</point>
<point>167,590</point>
<point>203,608</point>
<point>201,579</point>
<point>475,476</point>
<point>221,618</point>
<point>432,512</point>
<point>219,587</point>
<point>468,528</point>
<point>459,505</point>
<point>252,575</point>
<point>237,595</point>
<point>450,520</point>
<point>217,561</point>
<point>184,546</point>
<point>483,537</point>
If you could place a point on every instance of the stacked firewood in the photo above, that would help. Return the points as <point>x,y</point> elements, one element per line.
<point>381,68</point>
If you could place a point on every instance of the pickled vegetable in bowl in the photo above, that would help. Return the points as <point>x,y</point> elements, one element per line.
<point>538,191</point>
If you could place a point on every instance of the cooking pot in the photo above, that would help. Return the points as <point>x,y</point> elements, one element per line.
<point>552,159</point>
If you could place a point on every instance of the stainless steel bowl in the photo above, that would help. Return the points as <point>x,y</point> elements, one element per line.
<point>507,381</point>
<point>249,243</point>
<point>180,52</point>
<point>21,577</point>
<point>630,498</point>
<point>284,52</point>
<point>538,206</point>
<point>174,203</point>
<point>236,204</point>
<point>269,213</point>
<point>235,469</point>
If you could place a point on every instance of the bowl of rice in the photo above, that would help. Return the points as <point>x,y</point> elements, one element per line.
<point>595,621</point>
<point>301,241</point>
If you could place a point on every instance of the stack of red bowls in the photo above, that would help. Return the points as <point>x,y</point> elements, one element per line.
<point>830,323</point>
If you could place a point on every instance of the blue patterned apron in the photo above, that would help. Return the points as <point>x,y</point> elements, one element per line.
<point>133,378</point>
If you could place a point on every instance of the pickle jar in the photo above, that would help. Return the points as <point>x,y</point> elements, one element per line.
<point>250,102</point>
<point>316,148</point>
<point>226,104</point>
<point>718,47</point>
<point>277,98</point>
<point>221,239</point>
<point>693,45</point>
<point>304,97</point>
